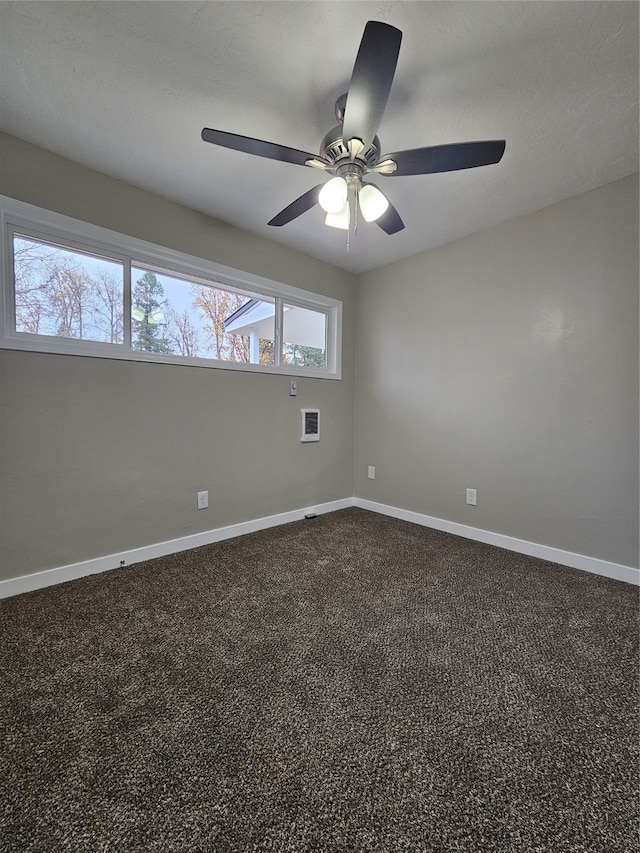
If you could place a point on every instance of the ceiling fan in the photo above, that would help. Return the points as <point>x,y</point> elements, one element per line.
<point>351,150</point>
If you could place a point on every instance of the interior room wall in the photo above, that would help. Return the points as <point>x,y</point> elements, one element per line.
<point>505,362</point>
<point>101,456</point>
<point>508,362</point>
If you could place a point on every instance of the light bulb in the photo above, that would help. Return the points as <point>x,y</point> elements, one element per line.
<point>333,195</point>
<point>372,202</point>
<point>340,219</point>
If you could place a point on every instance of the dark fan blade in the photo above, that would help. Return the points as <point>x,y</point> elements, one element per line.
<point>297,207</point>
<point>257,146</point>
<point>390,221</point>
<point>371,81</point>
<point>446,158</point>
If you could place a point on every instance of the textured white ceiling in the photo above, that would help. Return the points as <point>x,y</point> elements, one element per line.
<point>126,87</point>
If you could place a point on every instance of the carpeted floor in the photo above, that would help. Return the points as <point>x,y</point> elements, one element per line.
<point>350,683</point>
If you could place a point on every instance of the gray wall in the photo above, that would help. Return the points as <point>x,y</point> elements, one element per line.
<point>100,456</point>
<point>508,362</point>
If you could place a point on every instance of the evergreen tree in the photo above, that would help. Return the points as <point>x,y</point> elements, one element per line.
<point>147,316</point>
<point>303,356</point>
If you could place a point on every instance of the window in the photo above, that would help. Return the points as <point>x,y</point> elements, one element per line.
<point>66,293</point>
<point>181,317</point>
<point>76,288</point>
<point>304,333</point>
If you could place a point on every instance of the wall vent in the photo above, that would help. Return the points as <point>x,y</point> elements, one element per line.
<point>310,425</point>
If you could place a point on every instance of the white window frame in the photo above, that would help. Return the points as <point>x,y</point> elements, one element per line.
<point>31,221</point>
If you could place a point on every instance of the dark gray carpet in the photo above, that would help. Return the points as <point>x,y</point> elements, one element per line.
<point>351,683</point>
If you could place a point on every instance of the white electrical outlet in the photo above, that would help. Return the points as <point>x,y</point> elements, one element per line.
<point>203,500</point>
<point>371,472</point>
<point>472,497</point>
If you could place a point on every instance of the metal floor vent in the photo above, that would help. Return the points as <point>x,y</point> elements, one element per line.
<point>310,425</point>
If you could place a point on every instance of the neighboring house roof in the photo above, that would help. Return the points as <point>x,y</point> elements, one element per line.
<point>231,319</point>
<point>301,325</point>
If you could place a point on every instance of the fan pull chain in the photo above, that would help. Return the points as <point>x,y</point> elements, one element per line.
<point>353,216</point>
<point>348,230</point>
<point>356,205</point>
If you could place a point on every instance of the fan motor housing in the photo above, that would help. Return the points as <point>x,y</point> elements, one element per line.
<point>333,148</point>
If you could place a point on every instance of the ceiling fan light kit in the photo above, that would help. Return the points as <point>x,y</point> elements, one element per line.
<point>351,150</point>
<point>333,195</point>
<point>372,202</point>
<point>340,219</point>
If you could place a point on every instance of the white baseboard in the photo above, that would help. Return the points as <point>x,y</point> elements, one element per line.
<point>49,577</point>
<point>520,546</point>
